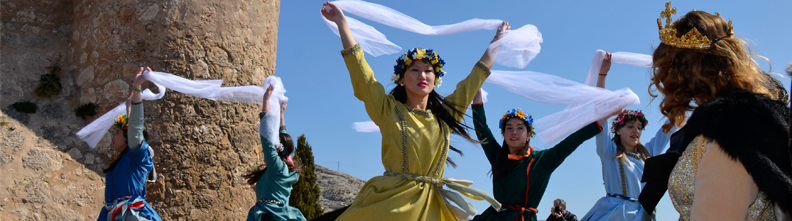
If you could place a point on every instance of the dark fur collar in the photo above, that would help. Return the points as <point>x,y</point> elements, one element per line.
<point>750,128</point>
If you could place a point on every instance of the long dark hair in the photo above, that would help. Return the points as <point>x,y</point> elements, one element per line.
<point>444,111</point>
<point>118,157</point>
<point>288,149</point>
<point>502,164</point>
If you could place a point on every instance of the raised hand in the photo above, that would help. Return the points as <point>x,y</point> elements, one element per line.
<point>606,64</point>
<point>267,95</point>
<point>332,12</point>
<point>502,30</point>
<point>283,107</point>
<point>139,78</point>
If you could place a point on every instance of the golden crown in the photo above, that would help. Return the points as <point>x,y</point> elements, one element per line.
<point>693,39</point>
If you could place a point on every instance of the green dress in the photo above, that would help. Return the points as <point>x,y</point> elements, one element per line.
<point>274,187</point>
<point>510,190</point>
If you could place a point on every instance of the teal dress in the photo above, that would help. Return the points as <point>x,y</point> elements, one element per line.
<point>274,187</point>
<point>519,199</point>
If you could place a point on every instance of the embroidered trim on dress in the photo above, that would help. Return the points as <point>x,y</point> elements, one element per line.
<point>419,112</point>
<point>269,201</point>
<point>623,181</point>
<point>443,155</point>
<point>483,67</point>
<point>402,122</point>
<point>350,50</point>
<point>633,155</point>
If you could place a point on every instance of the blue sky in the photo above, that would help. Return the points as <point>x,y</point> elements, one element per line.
<point>322,105</point>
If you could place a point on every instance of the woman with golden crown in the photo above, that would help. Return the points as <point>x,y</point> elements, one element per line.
<point>730,161</point>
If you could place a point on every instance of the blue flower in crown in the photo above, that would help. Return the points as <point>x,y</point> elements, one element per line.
<point>426,55</point>
<point>517,113</point>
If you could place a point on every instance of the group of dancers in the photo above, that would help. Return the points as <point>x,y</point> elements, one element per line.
<point>729,158</point>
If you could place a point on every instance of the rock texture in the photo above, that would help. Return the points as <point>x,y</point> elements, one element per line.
<point>202,147</point>
<point>338,189</point>
<point>42,183</point>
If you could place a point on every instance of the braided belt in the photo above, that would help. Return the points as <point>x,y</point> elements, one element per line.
<point>269,201</point>
<point>461,186</point>
<point>623,197</point>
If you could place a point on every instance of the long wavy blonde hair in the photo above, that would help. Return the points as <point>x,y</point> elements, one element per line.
<point>683,75</point>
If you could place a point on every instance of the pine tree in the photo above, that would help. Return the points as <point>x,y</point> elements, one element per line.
<point>305,193</point>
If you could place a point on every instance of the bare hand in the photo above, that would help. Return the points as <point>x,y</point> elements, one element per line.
<point>606,64</point>
<point>267,95</point>
<point>332,12</point>
<point>502,30</point>
<point>139,78</point>
<point>128,103</point>
<point>478,99</point>
<point>283,107</point>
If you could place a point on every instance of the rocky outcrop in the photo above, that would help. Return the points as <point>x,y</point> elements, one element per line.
<point>338,189</point>
<point>41,183</point>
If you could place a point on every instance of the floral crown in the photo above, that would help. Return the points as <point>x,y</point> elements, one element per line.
<point>425,55</point>
<point>517,113</point>
<point>121,121</point>
<point>627,116</point>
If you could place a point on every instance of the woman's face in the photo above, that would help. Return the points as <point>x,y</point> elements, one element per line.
<point>119,141</point>
<point>630,133</point>
<point>418,79</point>
<point>516,134</point>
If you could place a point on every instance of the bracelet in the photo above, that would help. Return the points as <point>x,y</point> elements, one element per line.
<point>282,127</point>
<point>136,89</point>
<point>601,74</point>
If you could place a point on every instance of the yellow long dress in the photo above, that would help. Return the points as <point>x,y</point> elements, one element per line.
<point>412,143</point>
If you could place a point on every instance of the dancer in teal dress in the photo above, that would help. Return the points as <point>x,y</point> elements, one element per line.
<point>125,178</point>
<point>519,174</point>
<point>274,182</point>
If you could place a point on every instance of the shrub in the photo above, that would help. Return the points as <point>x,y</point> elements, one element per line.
<point>25,107</point>
<point>86,110</point>
<point>49,84</point>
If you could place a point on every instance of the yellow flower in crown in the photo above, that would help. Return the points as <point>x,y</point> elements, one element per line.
<point>517,113</point>
<point>121,121</point>
<point>426,55</point>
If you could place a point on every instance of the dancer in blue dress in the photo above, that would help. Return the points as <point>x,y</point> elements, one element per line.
<point>125,187</point>
<point>622,159</point>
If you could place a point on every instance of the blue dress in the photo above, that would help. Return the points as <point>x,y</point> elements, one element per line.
<point>125,185</point>
<point>622,179</point>
<point>274,187</point>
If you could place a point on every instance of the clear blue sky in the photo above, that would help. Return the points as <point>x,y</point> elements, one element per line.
<point>322,105</point>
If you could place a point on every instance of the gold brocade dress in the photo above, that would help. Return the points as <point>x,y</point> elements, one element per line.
<point>681,185</point>
<point>413,144</point>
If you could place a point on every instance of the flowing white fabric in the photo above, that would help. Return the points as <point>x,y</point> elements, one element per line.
<point>518,47</point>
<point>370,127</point>
<point>199,88</point>
<point>93,132</point>
<point>628,58</point>
<point>586,104</point>
<point>275,101</point>
<point>209,89</point>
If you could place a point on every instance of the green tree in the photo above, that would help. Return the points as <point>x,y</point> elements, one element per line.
<point>305,193</point>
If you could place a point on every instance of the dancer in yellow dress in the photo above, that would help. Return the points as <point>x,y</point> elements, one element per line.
<point>416,123</point>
